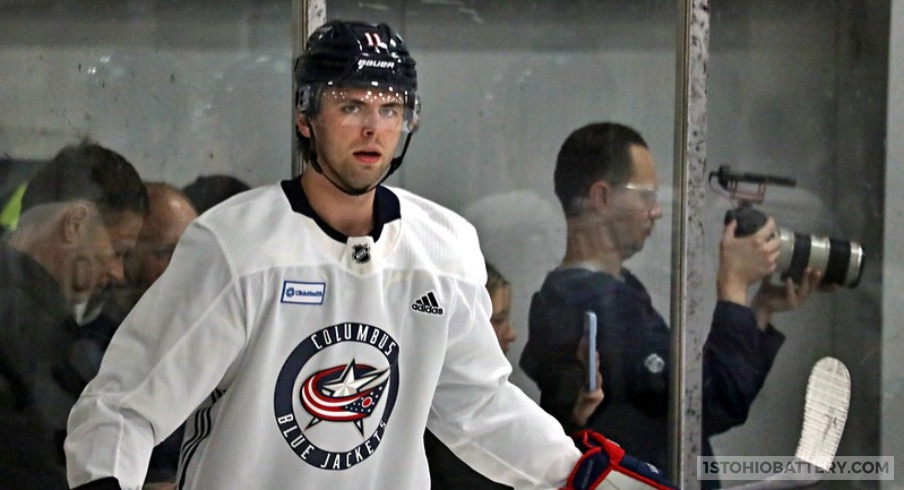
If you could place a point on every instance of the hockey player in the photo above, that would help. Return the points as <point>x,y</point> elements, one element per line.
<point>311,330</point>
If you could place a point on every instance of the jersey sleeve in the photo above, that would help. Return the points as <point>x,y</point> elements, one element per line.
<point>487,421</point>
<point>169,354</point>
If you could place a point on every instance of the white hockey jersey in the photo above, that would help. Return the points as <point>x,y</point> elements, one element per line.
<point>305,359</point>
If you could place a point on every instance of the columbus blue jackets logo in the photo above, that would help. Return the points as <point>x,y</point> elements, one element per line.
<point>347,393</point>
<point>333,414</point>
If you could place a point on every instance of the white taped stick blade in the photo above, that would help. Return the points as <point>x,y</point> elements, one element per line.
<point>825,412</point>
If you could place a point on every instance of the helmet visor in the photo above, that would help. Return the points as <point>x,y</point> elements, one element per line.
<point>376,107</point>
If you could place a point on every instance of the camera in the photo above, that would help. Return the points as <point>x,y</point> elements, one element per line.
<point>840,261</point>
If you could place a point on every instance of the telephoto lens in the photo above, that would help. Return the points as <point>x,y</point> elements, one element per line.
<point>840,261</point>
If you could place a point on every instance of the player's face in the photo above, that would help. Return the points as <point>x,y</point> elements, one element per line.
<point>635,205</point>
<point>502,316</point>
<point>356,133</point>
<point>98,259</point>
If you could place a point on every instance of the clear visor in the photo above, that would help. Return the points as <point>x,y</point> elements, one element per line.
<point>377,107</point>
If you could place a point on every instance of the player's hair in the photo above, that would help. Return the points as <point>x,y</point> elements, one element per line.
<point>495,279</point>
<point>597,151</point>
<point>88,171</point>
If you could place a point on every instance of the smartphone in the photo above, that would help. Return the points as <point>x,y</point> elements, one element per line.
<point>590,332</point>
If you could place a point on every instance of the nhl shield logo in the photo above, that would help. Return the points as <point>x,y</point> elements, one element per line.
<point>361,253</point>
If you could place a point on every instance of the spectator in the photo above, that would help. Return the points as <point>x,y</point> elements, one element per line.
<point>80,215</point>
<point>169,215</point>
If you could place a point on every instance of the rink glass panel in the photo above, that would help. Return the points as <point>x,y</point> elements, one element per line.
<point>796,89</point>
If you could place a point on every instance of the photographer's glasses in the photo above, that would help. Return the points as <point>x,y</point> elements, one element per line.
<point>649,193</point>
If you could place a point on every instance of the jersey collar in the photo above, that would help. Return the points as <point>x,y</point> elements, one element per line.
<point>386,209</point>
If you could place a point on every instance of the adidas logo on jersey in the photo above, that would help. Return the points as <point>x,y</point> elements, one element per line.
<point>427,304</point>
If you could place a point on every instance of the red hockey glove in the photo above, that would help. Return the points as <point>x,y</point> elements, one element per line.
<point>605,462</point>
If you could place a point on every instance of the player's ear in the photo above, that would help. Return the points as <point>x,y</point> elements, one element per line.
<point>301,122</point>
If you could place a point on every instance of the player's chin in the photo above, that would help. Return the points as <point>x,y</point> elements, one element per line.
<point>362,188</point>
<point>364,177</point>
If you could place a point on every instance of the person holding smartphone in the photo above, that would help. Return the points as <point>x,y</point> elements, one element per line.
<point>606,182</point>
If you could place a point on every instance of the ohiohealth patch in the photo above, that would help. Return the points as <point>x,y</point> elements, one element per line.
<point>305,293</point>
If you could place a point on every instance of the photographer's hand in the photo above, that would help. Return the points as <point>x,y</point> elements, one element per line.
<point>744,261</point>
<point>771,298</point>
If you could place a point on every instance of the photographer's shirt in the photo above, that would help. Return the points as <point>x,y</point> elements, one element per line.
<point>634,345</point>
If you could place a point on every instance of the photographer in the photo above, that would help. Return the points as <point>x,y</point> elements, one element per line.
<point>606,181</point>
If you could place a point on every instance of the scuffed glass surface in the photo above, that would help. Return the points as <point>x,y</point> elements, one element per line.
<point>798,90</point>
<point>503,84</point>
<point>189,88</point>
<point>181,89</point>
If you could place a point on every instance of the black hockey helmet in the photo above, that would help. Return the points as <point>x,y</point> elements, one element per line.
<point>358,54</point>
